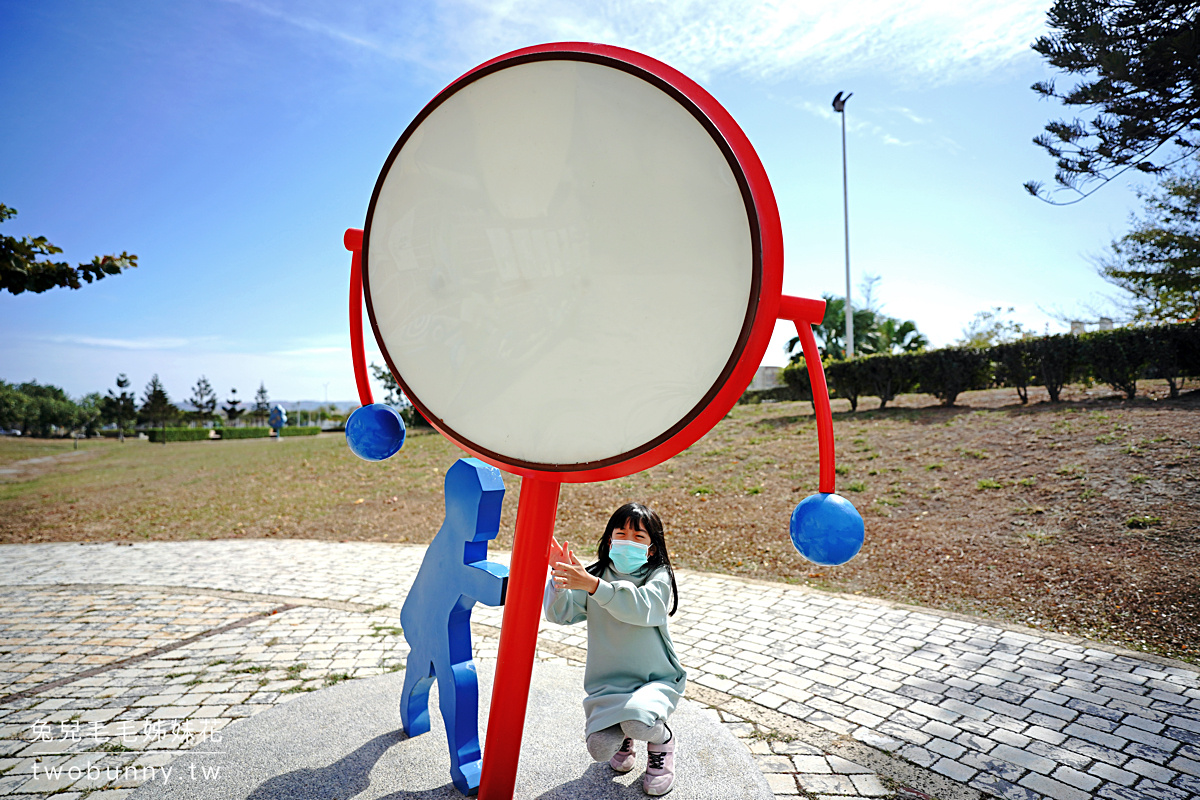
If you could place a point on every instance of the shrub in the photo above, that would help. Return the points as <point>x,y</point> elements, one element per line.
<point>178,434</point>
<point>1057,360</point>
<point>306,430</point>
<point>1173,351</point>
<point>1187,347</point>
<point>886,376</point>
<point>795,375</point>
<point>245,433</point>
<point>846,378</point>
<point>1117,357</point>
<point>777,393</point>
<point>1015,367</point>
<point>948,372</point>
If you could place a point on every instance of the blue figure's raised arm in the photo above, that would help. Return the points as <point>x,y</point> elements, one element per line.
<point>487,582</point>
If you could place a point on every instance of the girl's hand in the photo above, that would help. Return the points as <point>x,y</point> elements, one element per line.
<point>569,573</point>
<point>557,552</point>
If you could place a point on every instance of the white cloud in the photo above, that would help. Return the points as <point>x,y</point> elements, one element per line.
<point>911,115</point>
<point>148,343</point>
<point>914,41</point>
<point>855,124</point>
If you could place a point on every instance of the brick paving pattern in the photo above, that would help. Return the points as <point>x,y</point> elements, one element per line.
<point>114,657</point>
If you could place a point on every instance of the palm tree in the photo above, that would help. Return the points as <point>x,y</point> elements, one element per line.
<point>831,333</point>
<point>900,337</point>
<point>874,332</point>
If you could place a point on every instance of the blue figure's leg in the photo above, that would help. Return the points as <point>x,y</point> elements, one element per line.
<point>414,699</point>
<point>458,698</point>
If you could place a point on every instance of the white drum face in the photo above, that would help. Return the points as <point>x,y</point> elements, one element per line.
<point>559,263</point>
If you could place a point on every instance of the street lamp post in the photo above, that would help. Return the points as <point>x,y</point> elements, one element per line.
<point>839,105</point>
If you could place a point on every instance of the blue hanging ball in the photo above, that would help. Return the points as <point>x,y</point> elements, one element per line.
<point>827,529</point>
<point>375,432</point>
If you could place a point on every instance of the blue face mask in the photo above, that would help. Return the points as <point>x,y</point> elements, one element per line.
<point>628,557</point>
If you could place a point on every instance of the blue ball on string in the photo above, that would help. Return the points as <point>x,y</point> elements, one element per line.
<point>827,529</point>
<point>375,432</point>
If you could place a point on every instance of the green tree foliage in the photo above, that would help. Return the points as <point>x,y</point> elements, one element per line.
<point>12,407</point>
<point>896,336</point>
<point>233,408</point>
<point>22,271</point>
<point>395,397</point>
<point>157,408</point>
<point>874,332</point>
<point>992,327</point>
<point>119,408</point>
<point>204,401</point>
<point>262,404</point>
<point>1158,262</point>
<point>36,409</point>
<point>1139,64</point>
<point>89,411</point>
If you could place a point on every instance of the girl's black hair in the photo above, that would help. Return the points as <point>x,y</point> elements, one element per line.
<point>646,520</point>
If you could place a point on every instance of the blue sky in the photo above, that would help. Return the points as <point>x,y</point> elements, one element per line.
<point>229,143</point>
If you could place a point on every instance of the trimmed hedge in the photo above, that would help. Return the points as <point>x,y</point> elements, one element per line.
<point>774,394</point>
<point>255,432</point>
<point>293,430</point>
<point>795,378</point>
<point>178,434</point>
<point>949,372</point>
<point>885,376</point>
<point>1056,361</point>
<point>1118,358</point>
<point>1015,366</point>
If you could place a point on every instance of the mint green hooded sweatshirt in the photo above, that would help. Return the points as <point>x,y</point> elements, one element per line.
<point>632,671</point>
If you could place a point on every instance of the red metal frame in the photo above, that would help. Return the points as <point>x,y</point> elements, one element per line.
<point>805,313</point>
<point>536,511</point>
<point>353,241</point>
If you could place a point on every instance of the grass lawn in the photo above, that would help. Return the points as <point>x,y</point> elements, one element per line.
<point>1081,517</point>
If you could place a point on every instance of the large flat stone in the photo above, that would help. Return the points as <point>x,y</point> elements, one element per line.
<point>345,742</point>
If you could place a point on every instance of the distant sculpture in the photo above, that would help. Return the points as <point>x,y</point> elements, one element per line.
<point>277,420</point>
<point>436,616</point>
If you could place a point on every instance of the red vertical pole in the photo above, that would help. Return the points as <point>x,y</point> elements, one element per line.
<point>827,476</point>
<point>353,241</point>
<point>536,511</point>
<point>806,313</point>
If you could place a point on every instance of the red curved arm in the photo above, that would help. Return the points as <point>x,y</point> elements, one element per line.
<point>353,241</point>
<point>806,313</point>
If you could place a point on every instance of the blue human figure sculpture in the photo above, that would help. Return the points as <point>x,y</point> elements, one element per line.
<point>436,616</point>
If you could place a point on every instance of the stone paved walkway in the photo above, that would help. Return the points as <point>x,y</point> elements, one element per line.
<point>113,658</point>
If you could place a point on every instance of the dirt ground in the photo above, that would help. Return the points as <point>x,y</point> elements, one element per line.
<point>1081,517</point>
